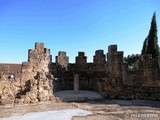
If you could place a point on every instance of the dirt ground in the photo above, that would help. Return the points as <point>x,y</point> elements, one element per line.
<point>104,110</point>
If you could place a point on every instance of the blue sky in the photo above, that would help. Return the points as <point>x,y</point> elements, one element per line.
<point>73,25</point>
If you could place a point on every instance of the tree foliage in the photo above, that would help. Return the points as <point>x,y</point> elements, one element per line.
<point>145,44</point>
<point>131,59</point>
<point>150,45</point>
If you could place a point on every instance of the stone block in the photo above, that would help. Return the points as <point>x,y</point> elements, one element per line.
<point>47,51</point>
<point>81,59</point>
<point>81,54</point>
<point>112,48</point>
<point>62,60</point>
<point>39,47</point>
<point>99,57</point>
<point>61,53</point>
<point>32,54</point>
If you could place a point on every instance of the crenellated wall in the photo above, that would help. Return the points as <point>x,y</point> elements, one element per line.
<point>112,77</point>
<point>37,79</point>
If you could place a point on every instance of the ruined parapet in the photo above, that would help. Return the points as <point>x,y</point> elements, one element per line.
<point>39,47</point>
<point>62,60</point>
<point>112,48</point>
<point>81,59</point>
<point>81,62</point>
<point>99,60</point>
<point>39,58</point>
<point>36,80</point>
<point>115,61</point>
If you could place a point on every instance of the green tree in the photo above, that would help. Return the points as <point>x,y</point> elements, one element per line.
<point>150,45</point>
<point>131,60</point>
<point>145,44</point>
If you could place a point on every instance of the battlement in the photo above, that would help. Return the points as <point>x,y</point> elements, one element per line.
<point>39,47</point>
<point>107,76</point>
<point>99,52</point>
<point>112,48</point>
<point>62,59</point>
<point>99,57</point>
<point>46,51</point>
<point>81,54</point>
<point>81,58</point>
<point>61,53</point>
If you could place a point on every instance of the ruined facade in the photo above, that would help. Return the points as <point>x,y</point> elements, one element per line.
<point>39,77</point>
<point>111,76</point>
<point>34,82</point>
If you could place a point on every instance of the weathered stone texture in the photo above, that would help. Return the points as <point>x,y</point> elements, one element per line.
<point>62,60</point>
<point>81,62</point>
<point>112,77</point>
<point>8,89</point>
<point>35,72</point>
<point>115,61</point>
<point>38,89</point>
<point>76,83</point>
<point>99,60</point>
<point>33,84</point>
<point>39,47</point>
<point>38,60</point>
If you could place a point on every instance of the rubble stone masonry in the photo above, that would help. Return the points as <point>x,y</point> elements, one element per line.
<point>39,77</point>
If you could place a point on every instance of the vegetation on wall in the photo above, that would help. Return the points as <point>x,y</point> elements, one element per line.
<point>131,60</point>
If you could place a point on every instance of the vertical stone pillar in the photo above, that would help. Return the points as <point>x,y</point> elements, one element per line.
<point>76,83</point>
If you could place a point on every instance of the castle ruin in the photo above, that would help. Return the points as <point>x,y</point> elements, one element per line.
<point>38,78</point>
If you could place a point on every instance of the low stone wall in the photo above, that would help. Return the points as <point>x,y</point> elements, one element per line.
<point>132,92</point>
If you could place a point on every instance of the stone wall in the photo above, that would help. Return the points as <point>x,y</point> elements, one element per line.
<point>112,77</point>
<point>8,88</point>
<point>36,79</point>
<point>34,82</point>
<point>39,77</point>
<point>62,60</point>
<point>99,60</point>
<point>81,62</point>
<point>115,61</point>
